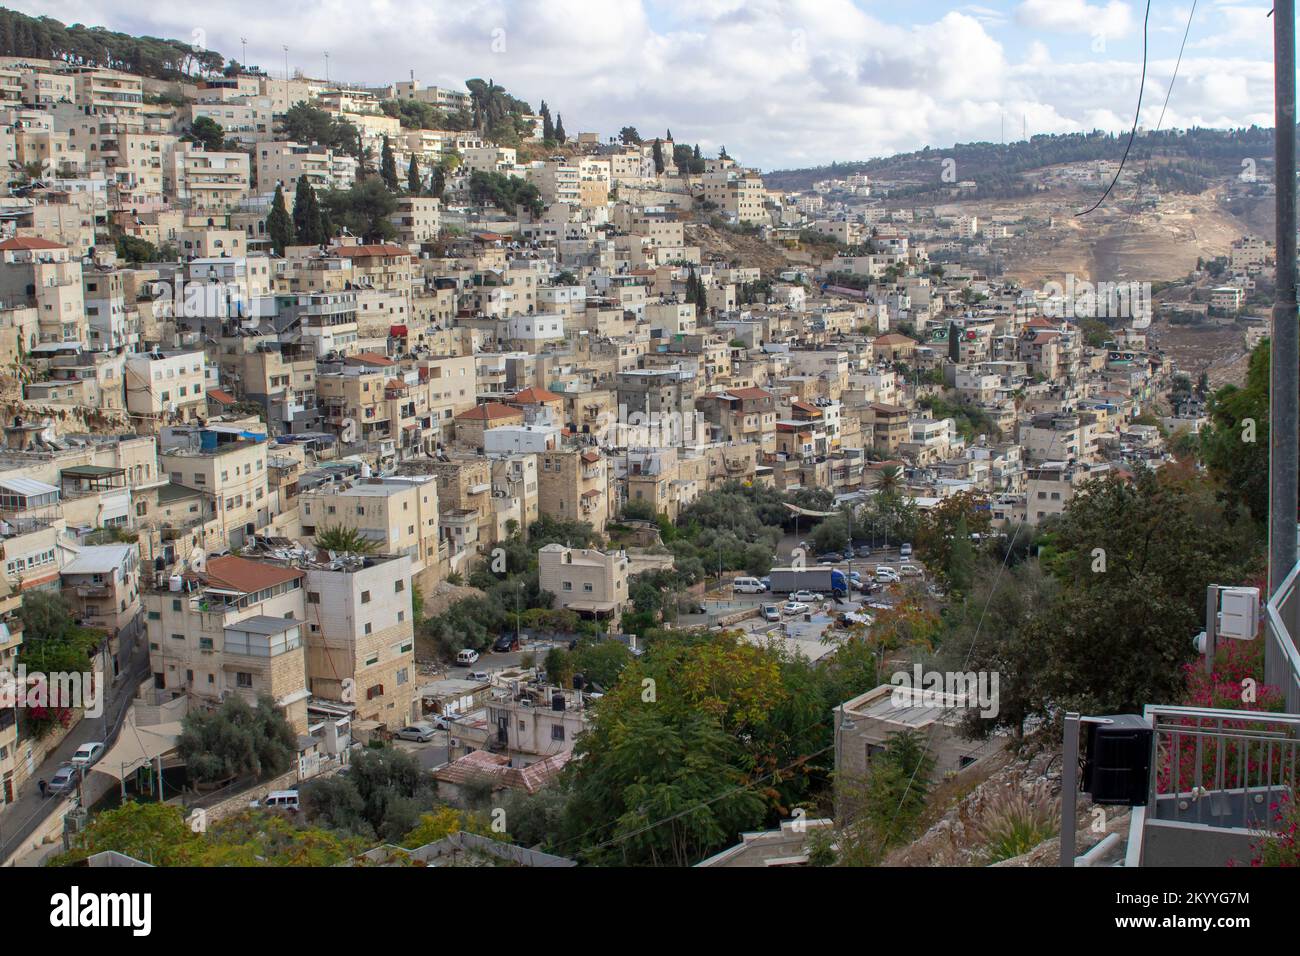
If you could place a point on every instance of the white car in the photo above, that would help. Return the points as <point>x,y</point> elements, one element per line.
<point>805,596</point>
<point>886,575</point>
<point>87,754</point>
<point>910,571</point>
<point>467,657</point>
<point>794,607</point>
<point>771,612</point>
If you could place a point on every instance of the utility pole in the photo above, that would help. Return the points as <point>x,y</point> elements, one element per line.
<point>1284,344</point>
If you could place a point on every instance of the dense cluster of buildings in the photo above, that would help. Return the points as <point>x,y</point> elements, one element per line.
<point>178,432</point>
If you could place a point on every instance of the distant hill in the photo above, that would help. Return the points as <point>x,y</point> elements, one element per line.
<point>1174,160</point>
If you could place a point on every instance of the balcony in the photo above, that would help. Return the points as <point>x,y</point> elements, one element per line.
<point>1216,773</point>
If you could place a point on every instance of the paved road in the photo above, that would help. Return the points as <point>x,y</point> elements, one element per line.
<point>30,809</point>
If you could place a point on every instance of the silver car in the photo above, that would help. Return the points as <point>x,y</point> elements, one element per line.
<point>421,733</point>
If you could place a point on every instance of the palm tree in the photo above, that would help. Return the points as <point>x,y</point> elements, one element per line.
<point>887,480</point>
<point>345,541</point>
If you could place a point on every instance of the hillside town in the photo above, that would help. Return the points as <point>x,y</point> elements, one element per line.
<point>401,418</point>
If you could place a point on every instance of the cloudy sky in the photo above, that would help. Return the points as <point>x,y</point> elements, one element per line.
<point>780,83</point>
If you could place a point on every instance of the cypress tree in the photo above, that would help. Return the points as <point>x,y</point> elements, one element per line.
<point>388,166</point>
<point>413,184</point>
<point>279,227</point>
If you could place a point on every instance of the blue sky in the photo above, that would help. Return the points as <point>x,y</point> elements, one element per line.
<point>780,83</point>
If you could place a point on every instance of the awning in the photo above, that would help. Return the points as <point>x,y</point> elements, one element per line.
<point>136,747</point>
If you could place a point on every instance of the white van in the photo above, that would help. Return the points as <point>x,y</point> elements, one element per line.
<point>905,551</point>
<point>910,571</point>
<point>282,800</point>
<point>747,586</point>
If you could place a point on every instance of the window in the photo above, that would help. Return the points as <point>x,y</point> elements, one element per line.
<point>205,643</point>
<point>401,677</point>
<point>399,586</point>
<point>368,627</point>
<point>373,692</point>
<point>557,731</point>
<point>365,597</point>
<point>313,597</point>
<point>178,637</point>
<point>243,679</point>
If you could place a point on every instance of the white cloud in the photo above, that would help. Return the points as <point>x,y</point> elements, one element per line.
<point>1077,16</point>
<point>779,82</point>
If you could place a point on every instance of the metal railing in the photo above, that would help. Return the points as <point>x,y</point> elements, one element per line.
<point>1222,768</point>
<point>1281,656</point>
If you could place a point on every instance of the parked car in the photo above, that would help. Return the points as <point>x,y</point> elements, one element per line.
<point>505,644</point>
<point>479,675</point>
<point>863,551</point>
<point>910,571</point>
<point>794,607</point>
<point>441,721</point>
<point>421,733</point>
<point>905,551</point>
<point>830,557</point>
<point>847,555</point>
<point>805,596</point>
<point>771,612</point>
<point>63,781</point>
<point>467,657</point>
<point>887,575</point>
<point>87,754</point>
<point>767,583</point>
<point>747,586</point>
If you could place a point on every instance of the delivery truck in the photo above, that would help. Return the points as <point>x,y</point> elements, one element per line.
<point>822,580</point>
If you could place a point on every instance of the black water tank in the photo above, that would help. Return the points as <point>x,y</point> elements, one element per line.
<point>1117,768</point>
<point>557,702</point>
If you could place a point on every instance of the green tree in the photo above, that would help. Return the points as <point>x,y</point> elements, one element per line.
<point>208,133</point>
<point>1235,444</point>
<point>414,184</point>
<point>659,157</point>
<point>308,227</point>
<point>236,740</point>
<point>134,250</point>
<point>343,540</point>
<point>388,167</point>
<point>279,227</point>
<point>365,210</point>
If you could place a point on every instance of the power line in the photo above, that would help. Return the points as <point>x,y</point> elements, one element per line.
<point>1177,63</point>
<point>1137,113</point>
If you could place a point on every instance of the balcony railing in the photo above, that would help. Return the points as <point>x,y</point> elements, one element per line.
<point>1281,657</point>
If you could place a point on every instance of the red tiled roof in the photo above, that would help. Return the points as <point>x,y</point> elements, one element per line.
<point>488,411</point>
<point>482,765</point>
<point>245,576</point>
<point>29,243</point>
<point>368,358</point>
<point>749,392</point>
<point>590,457</point>
<point>534,396</point>
<point>220,396</point>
